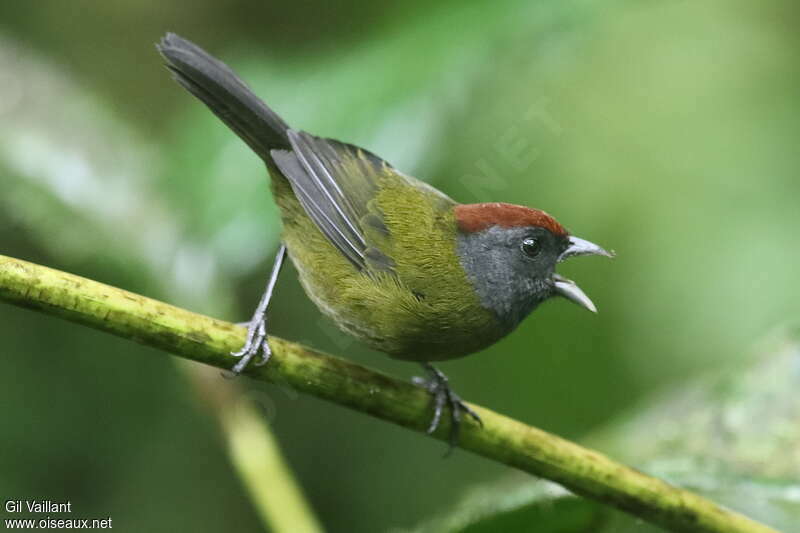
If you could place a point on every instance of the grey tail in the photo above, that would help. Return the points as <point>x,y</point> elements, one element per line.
<point>216,85</point>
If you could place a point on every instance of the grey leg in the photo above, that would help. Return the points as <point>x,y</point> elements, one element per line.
<point>257,327</point>
<point>442,393</point>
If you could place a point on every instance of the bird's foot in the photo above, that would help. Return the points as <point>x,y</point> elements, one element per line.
<point>442,394</point>
<point>256,342</point>
<point>257,327</point>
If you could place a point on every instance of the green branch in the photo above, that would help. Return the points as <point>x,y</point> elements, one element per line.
<point>207,340</point>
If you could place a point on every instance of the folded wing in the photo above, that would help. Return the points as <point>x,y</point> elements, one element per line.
<point>335,183</point>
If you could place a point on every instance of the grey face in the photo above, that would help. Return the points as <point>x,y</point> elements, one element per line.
<point>513,269</point>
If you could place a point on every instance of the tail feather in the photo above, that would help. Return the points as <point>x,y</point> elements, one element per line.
<point>225,94</point>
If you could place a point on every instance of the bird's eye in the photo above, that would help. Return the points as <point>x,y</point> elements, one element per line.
<point>531,246</point>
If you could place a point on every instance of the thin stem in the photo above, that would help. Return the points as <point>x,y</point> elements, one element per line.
<point>258,459</point>
<point>207,340</point>
<point>255,454</point>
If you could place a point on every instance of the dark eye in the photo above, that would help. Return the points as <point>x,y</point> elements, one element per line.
<point>531,246</point>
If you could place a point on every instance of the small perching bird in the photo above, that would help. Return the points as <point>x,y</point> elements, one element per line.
<point>390,259</point>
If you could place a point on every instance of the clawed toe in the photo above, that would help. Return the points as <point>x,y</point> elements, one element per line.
<point>256,342</point>
<point>257,327</point>
<point>438,386</point>
<point>472,414</point>
<point>266,352</point>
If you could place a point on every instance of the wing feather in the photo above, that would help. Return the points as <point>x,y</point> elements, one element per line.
<point>320,212</point>
<point>335,183</point>
<point>321,175</point>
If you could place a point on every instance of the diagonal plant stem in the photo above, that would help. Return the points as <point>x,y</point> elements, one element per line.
<point>255,454</point>
<point>207,340</point>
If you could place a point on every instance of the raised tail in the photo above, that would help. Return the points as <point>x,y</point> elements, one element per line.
<point>213,82</point>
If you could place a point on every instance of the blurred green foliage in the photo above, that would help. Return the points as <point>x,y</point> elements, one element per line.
<point>741,452</point>
<point>664,130</point>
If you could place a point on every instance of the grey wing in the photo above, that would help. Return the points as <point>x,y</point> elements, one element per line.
<point>335,182</point>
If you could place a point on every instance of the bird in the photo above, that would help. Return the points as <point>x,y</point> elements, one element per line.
<point>393,261</point>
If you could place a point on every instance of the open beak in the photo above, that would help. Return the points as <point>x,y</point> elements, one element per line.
<point>567,288</point>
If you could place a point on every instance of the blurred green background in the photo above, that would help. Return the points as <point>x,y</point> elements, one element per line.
<point>666,131</point>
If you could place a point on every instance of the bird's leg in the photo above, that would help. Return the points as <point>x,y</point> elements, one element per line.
<point>438,386</point>
<point>257,327</point>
